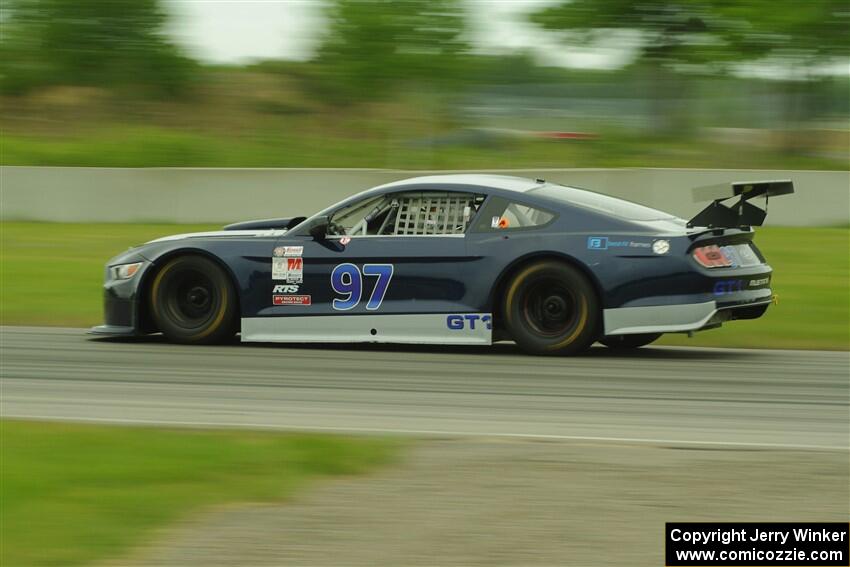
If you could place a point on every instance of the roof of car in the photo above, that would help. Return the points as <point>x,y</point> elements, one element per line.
<point>505,182</point>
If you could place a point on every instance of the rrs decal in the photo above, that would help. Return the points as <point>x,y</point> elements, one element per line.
<point>347,280</point>
<point>285,289</point>
<point>469,321</point>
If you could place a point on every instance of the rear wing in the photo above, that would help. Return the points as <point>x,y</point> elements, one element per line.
<point>740,212</point>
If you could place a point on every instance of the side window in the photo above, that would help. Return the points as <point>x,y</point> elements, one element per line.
<point>412,213</point>
<point>356,218</point>
<point>502,214</point>
<point>433,212</point>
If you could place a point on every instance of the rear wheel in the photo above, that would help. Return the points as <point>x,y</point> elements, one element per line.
<point>629,341</point>
<point>193,301</point>
<point>551,308</point>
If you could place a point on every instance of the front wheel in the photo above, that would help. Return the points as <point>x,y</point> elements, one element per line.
<point>551,308</point>
<point>629,341</point>
<point>193,302</point>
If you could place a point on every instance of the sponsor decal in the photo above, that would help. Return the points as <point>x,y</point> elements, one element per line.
<point>597,243</point>
<point>500,222</point>
<point>469,322</point>
<point>290,270</point>
<point>288,288</point>
<point>604,243</point>
<point>661,246</point>
<point>760,281</point>
<point>725,287</point>
<point>291,300</point>
<point>282,251</point>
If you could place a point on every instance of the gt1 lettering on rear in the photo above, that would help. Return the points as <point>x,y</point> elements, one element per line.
<point>469,322</point>
<point>725,287</point>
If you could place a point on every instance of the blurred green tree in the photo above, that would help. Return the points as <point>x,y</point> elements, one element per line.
<point>708,36</point>
<point>671,34</point>
<point>372,47</point>
<point>798,42</point>
<point>90,42</point>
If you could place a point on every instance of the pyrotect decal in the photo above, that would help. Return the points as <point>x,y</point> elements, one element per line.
<point>291,300</point>
<point>347,280</point>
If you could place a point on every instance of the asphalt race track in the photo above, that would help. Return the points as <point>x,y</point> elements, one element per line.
<point>791,399</point>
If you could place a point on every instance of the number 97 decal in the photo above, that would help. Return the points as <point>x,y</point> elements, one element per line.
<point>347,280</point>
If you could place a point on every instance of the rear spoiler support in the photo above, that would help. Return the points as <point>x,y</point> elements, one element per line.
<point>740,213</point>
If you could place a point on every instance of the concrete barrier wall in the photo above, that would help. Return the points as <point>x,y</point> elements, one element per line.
<point>183,195</point>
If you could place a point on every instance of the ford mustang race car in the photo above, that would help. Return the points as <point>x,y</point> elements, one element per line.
<point>454,259</point>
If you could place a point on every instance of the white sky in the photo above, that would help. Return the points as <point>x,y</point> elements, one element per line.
<point>237,31</point>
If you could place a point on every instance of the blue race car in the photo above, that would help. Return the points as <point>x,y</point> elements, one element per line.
<point>453,259</point>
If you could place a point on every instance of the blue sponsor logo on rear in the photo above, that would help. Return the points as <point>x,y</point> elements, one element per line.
<point>597,242</point>
<point>605,242</point>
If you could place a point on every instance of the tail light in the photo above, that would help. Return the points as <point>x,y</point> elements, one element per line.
<point>734,255</point>
<point>712,257</point>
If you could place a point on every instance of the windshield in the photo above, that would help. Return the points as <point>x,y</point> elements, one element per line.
<point>598,202</point>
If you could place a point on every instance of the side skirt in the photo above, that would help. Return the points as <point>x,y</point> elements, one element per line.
<point>448,329</point>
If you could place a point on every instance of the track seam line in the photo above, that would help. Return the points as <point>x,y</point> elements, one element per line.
<point>320,428</point>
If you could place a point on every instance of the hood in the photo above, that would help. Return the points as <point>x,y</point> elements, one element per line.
<point>282,223</point>
<point>220,234</point>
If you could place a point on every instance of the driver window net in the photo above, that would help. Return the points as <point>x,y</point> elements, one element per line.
<point>434,214</point>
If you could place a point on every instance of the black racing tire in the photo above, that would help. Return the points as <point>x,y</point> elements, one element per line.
<point>629,341</point>
<point>550,307</point>
<point>192,301</point>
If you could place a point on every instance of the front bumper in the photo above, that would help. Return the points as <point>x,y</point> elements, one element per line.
<point>119,316</point>
<point>113,331</point>
<point>682,318</point>
<point>120,306</point>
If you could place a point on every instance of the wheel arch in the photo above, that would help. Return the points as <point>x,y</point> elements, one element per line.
<point>145,320</point>
<point>498,288</point>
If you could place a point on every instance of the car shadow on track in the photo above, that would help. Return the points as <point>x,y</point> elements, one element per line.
<point>504,348</point>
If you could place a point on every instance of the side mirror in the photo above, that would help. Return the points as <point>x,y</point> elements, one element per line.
<point>319,227</point>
